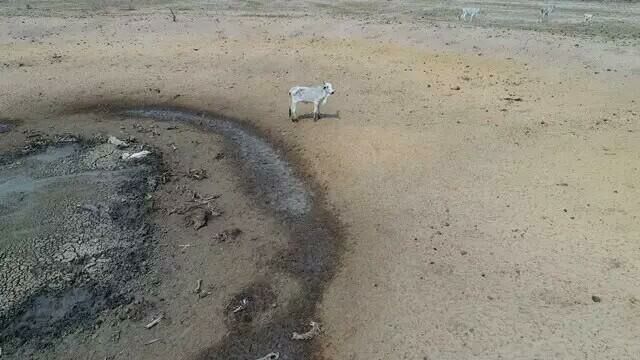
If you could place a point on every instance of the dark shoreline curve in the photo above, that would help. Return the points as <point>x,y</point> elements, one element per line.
<point>315,247</point>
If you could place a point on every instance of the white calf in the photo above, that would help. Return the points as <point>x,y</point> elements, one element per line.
<point>472,12</point>
<point>317,95</point>
<point>588,17</point>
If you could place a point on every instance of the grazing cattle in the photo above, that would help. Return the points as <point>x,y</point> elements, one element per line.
<point>471,12</point>
<point>317,95</point>
<point>546,11</point>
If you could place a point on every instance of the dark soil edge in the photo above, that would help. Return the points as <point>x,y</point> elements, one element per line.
<point>312,257</point>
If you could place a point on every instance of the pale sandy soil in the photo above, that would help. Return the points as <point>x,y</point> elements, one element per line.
<point>476,227</point>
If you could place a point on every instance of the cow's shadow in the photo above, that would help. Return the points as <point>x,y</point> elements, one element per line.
<point>322,116</point>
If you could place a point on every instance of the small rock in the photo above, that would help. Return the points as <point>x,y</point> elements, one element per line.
<point>455,88</point>
<point>139,155</point>
<point>117,142</point>
<point>596,298</point>
<point>4,128</point>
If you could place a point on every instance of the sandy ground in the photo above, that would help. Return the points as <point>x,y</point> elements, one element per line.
<point>486,175</point>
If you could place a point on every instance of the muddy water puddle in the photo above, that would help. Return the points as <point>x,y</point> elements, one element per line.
<point>80,211</point>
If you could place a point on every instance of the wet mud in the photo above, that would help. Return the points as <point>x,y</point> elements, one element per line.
<point>73,234</point>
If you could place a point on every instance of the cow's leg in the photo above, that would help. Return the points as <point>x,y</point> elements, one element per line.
<point>292,112</point>
<point>316,111</point>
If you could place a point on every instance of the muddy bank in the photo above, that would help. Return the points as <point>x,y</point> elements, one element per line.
<point>311,257</point>
<point>73,235</point>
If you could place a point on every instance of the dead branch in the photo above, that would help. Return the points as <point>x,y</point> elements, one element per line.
<point>243,305</point>
<point>184,209</point>
<point>154,322</point>
<point>173,14</point>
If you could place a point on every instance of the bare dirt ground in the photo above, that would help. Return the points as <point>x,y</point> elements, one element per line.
<point>485,175</point>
